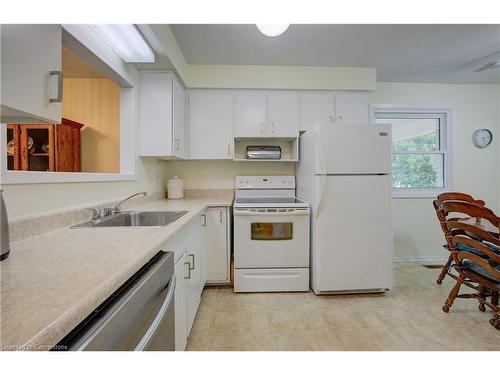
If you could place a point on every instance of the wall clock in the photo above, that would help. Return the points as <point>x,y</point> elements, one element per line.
<point>482,138</point>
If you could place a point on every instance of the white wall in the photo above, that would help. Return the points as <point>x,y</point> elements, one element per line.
<point>475,171</point>
<point>28,199</point>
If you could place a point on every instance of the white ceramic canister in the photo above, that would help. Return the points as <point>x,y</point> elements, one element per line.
<point>175,188</point>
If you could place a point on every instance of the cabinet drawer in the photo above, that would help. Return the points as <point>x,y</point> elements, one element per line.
<point>271,280</point>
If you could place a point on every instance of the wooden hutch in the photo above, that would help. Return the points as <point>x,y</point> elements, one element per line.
<point>50,148</point>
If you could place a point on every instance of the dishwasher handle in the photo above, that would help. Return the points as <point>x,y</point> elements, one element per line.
<point>143,344</point>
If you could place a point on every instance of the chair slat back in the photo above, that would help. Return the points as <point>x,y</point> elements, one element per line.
<point>451,196</point>
<point>460,197</point>
<point>486,261</point>
<point>470,210</point>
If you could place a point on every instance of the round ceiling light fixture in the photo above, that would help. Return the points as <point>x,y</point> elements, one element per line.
<point>272,30</point>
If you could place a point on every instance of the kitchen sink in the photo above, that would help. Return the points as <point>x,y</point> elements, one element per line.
<point>134,219</point>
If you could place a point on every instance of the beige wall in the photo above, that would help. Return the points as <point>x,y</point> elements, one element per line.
<point>95,102</point>
<point>219,174</point>
<point>475,171</point>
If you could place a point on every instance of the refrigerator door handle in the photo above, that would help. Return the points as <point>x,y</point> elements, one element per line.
<point>319,203</point>
<point>323,170</point>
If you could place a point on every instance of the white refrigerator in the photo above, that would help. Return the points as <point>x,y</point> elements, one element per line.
<point>345,174</point>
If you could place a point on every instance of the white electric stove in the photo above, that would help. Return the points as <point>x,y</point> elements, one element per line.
<point>271,235</point>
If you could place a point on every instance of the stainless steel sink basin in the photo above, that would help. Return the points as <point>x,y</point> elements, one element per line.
<point>134,219</point>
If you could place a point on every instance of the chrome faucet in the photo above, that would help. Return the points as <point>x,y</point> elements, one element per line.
<point>118,208</point>
<point>110,211</point>
<point>96,215</point>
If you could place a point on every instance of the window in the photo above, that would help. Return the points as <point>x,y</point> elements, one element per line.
<point>419,150</point>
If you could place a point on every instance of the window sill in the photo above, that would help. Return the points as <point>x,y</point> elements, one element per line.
<point>417,193</point>
<point>23,177</point>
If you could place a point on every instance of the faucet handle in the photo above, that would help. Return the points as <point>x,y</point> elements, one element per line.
<point>95,213</point>
<point>107,211</point>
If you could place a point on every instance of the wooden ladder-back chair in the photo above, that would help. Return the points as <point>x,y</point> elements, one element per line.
<point>478,266</point>
<point>450,196</point>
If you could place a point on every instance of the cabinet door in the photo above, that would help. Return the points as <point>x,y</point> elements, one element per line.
<point>283,115</point>
<point>216,246</point>
<point>210,125</point>
<point>316,108</point>
<point>250,114</point>
<point>352,108</point>
<point>30,93</point>
<point>194,281</point>
<point>155,114</point>
<point>203,249</point>
<point>32,141</point>
<point>179,119</point>
<point>181,299</point>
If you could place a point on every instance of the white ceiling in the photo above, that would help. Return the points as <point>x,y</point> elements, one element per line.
<point>401,53</point>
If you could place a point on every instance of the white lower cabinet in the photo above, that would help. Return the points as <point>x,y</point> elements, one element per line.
<point>187,246</point>
<point>201,250</point>
<point>181,309</point>
<point>195,286</point>
<point>216,245</point>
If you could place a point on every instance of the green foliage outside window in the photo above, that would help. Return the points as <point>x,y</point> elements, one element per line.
<point>417,170</point>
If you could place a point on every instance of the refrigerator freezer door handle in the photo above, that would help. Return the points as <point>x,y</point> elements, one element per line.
<point>319,149</point>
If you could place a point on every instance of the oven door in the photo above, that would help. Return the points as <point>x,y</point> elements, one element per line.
<point>271,237</point>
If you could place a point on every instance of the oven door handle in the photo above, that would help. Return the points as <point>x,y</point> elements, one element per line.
<point>263,213</point>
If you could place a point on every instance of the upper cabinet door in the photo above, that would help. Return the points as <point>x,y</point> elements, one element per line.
<point>155,114</point>
<point>316,108</point>
<point>31,74</point>
<point>179,120</point>
<point>250,114</point>
<point>352,108</point>
<point>210,125</point>
<point>283,115</point>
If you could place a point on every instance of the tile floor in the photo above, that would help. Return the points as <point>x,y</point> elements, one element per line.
<point>409,317</point>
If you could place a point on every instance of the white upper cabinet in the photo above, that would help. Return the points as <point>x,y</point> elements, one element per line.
<point>31,74</point>
<point>179,120</point>
<point>250,115</point>
<point>316,108</point>
<point>334,108</point>
<point>162,120</point>
<point>210,124</point>
<point>351,108</point>
<point>259,114</point>
<point>283,115</point>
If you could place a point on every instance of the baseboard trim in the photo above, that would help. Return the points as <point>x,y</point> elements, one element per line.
<point>438,260</point>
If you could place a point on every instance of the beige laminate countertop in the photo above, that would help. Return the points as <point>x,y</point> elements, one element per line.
<point>51,282</point>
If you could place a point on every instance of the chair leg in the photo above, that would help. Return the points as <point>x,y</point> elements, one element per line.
<point>494,297</point>
<point>444,271</point>
<point>453,294</point>
<point>495,322</point>
<point>482,295</point>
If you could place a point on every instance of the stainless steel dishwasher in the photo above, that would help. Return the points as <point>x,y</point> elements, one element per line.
<point>138,316</point>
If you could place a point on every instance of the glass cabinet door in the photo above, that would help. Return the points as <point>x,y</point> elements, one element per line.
<point>13,156</point>
<point>37,148</point>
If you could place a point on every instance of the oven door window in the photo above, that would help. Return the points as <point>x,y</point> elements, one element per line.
<point>271,231</point>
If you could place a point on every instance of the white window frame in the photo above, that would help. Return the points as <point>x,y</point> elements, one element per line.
<point>445,149</point>
<point>124,75</point>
